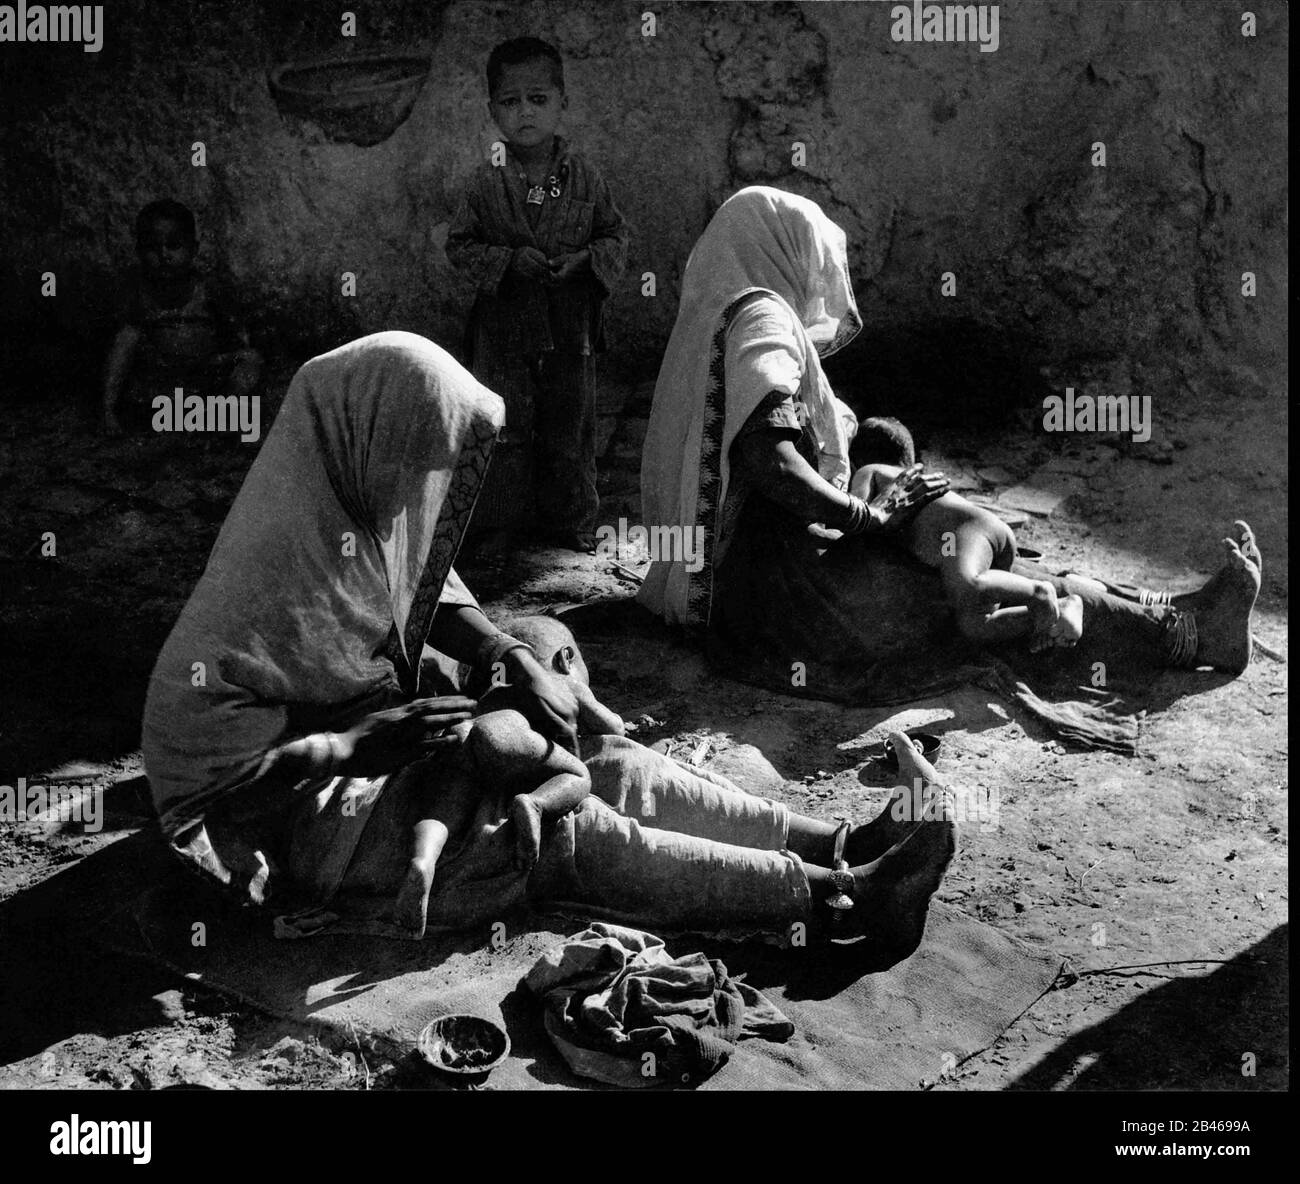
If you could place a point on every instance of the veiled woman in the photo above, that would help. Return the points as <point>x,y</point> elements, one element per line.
<point>302,651</point>
<point>748,447</point>
<point>289,743</point>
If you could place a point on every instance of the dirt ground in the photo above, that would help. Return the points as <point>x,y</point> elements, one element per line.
<point>1173,862</point>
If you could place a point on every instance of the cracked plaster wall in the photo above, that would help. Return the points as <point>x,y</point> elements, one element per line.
<point>933,157</point>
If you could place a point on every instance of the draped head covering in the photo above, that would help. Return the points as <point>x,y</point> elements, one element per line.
<point>761,240</point>
<point>323,582</point>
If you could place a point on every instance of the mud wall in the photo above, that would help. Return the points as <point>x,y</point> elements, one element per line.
<point>935,157</point>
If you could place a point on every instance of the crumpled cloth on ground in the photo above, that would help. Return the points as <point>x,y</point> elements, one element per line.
<point>623,1011</point>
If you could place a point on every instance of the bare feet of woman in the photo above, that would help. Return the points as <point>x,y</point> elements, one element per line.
<point>412,907</point>
<point>1244,537</point>
<point>891,826</point>
<point>892,893</point>
<point>899,817</point>
<point>1223,609</point>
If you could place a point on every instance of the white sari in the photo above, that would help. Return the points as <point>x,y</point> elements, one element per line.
<point>761,240</point>
<point>324,580</point>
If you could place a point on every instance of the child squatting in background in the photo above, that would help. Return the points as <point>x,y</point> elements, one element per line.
<point>539,233</point>
<point>176,332</point>
<point>972,548</point>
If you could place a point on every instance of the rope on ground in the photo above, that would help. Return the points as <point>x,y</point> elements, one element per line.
<point>1267,650</point>
<point>1069,976</point>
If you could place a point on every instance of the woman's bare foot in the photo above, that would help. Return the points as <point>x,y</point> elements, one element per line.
<point>1246,541</point>
<point>1069,625</point>
<point>412,907</point>
<point>1222,613</point>
<point>1244,537</point>
<point>900,816</point>
<point>892,825</point>
<point>892,894</point>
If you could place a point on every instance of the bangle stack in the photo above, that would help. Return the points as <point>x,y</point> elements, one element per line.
<point>859,516</point>
<point>495,647</point>
<point>324,753</point>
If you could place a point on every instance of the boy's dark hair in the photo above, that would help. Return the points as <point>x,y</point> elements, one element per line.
<point>882,440</point>
<point>519,50</point>
<point>165,210</point>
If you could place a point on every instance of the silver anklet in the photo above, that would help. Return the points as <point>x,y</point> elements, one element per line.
<point>1181,640</point>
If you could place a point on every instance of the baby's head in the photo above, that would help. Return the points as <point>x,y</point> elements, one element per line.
<point>550,640</point>
<point>166,240</point>
<point>882,440</point>
<point>526,90</point>
<point>555,646</point>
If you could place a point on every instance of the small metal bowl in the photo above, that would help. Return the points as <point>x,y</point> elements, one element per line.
<point>464,1047</point>
<point>928,742</point>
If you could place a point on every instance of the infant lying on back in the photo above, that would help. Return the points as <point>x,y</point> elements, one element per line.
<point>972,548</point>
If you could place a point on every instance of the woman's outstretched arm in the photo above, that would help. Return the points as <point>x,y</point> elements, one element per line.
<point>774,461</point>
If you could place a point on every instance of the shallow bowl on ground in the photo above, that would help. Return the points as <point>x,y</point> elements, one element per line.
<point>465,1047</point>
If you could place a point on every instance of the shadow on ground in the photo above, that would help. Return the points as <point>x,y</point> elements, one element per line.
<point>1192,1033</point>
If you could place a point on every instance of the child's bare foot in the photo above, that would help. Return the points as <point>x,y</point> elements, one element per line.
<point>1044,613</point>
<point>412,907</point>
<point>1069,626</point>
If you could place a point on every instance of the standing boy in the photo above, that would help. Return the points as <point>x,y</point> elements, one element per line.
<point>538,231</point>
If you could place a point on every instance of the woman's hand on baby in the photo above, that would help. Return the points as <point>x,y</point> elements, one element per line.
<point>526,814</point>
<point>913,488</point>
<point>548,701</point>
<point>387,740</point>
<point>530,263</point>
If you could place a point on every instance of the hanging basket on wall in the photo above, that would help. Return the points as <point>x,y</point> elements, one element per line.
<point>353,100</point>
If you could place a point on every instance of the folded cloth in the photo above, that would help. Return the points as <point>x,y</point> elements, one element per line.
<point>621,1010</point>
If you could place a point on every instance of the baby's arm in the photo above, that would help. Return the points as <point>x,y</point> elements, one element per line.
<point>594,718</point>
<point>871,480</point>
<point>507,752</point>
<point>547,780</point>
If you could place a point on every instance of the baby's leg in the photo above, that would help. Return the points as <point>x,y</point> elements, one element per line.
<point>993,605</point>
<point>441,809</point>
